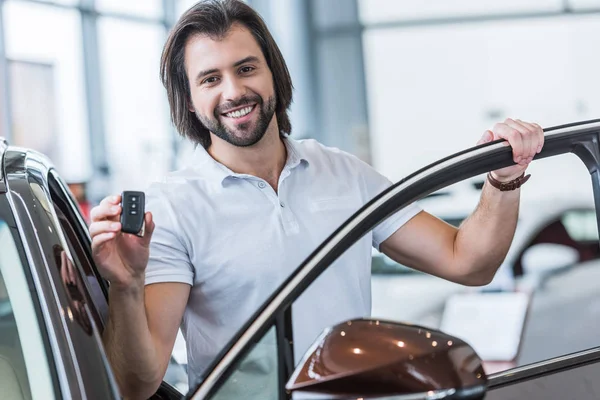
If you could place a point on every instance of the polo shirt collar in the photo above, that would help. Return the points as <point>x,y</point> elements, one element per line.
<point>217,172</point>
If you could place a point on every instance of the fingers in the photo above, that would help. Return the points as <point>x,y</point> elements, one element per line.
<point>513,136</point>
<point>526,139</point>
<point>99,240</point>
<point>105,221</point>
<point>537,131</point>
<point>488,136</point>
<point>527,149</point>
<point>149,229</point>
<point>532,136</point>
<point>100,227</point>
<point>108,208</point>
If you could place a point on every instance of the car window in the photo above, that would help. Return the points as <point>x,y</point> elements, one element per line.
<point>256,375</point>
<point>24,366</point>
<point>80,250</point>
<point>554,259</point>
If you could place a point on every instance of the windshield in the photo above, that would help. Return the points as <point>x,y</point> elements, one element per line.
<point>24,370</point>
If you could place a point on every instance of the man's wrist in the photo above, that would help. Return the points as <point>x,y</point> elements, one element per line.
<point>504,179</point>
<point>133,287</point>
<point>508,185</point>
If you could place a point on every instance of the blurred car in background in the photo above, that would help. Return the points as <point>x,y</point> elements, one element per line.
<point>404,294</point>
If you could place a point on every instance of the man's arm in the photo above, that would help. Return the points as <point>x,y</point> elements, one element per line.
<point>471,254</point>
<point>141,332</point>
<point>143,319</point>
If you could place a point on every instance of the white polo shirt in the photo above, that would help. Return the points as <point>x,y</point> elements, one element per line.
<point>235,240</point>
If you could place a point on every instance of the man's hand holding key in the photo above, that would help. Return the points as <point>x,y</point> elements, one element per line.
<point>120,257</point>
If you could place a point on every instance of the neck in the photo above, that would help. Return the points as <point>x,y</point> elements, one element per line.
<point>265,159</point>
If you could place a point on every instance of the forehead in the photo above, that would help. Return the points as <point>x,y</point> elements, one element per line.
<point>203,52</point>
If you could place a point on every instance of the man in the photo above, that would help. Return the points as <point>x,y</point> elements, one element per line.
<point>254,203</point>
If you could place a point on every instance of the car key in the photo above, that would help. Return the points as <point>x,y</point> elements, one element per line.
<point>132,216</point>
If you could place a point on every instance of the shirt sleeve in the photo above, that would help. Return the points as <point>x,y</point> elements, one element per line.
<point>169,259</point>
<point>374,184</point>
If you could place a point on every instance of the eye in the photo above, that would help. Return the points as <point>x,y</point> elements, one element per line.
<point>210,80</point>
<point>247,69</point>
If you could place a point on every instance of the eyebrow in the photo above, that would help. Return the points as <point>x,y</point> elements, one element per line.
<point>202,74</point>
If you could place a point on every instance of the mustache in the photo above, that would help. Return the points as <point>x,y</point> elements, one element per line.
<point>242,101</point>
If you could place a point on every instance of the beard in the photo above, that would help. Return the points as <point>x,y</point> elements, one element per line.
<point>243,135</point>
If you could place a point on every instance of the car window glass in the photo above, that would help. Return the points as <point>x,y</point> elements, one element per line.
<point>346,284</point>
<point>24,369</point>
<point>554,259</point>
<point>79,251</point>
<point>255,376</point>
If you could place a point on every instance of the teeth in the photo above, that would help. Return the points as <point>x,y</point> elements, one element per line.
<point>239,113</point>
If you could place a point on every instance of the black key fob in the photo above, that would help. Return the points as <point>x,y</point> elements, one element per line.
<point>132,216</point>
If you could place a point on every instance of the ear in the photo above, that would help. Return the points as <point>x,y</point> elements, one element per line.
<point>190,105</point>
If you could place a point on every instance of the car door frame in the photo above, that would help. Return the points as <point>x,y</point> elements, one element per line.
<point>581,139</point>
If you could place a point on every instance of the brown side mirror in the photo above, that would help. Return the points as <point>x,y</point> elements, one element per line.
<point>371,358</point>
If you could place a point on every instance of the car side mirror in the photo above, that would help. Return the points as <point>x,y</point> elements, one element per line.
<point>370,358</point>
<point>544,259</point>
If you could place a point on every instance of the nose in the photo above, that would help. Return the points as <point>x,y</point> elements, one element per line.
<point>233,89</point>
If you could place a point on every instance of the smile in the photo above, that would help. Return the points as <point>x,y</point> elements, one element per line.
<point>239,113</point>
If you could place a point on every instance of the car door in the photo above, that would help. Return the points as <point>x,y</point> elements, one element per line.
<point>47,232</point>
<point>59,281</point>
<point>256,363</point>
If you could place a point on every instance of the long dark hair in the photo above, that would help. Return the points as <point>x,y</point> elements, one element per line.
<point>214,19</point>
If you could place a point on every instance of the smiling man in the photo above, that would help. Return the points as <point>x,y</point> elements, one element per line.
<point>225,231</point>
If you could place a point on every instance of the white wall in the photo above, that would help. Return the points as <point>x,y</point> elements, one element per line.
<point>434,90</point>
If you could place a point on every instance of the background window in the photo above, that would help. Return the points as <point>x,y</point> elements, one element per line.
<point>33,91</point>
<point>138,134</point>
<point>373,11</point>
<point>457,79</point>
<point>45,45</point>
<point>143,8</point>
<point>65,2</point>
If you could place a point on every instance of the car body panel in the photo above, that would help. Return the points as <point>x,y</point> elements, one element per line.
<point>578,383</point>
<point>76,342</point>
